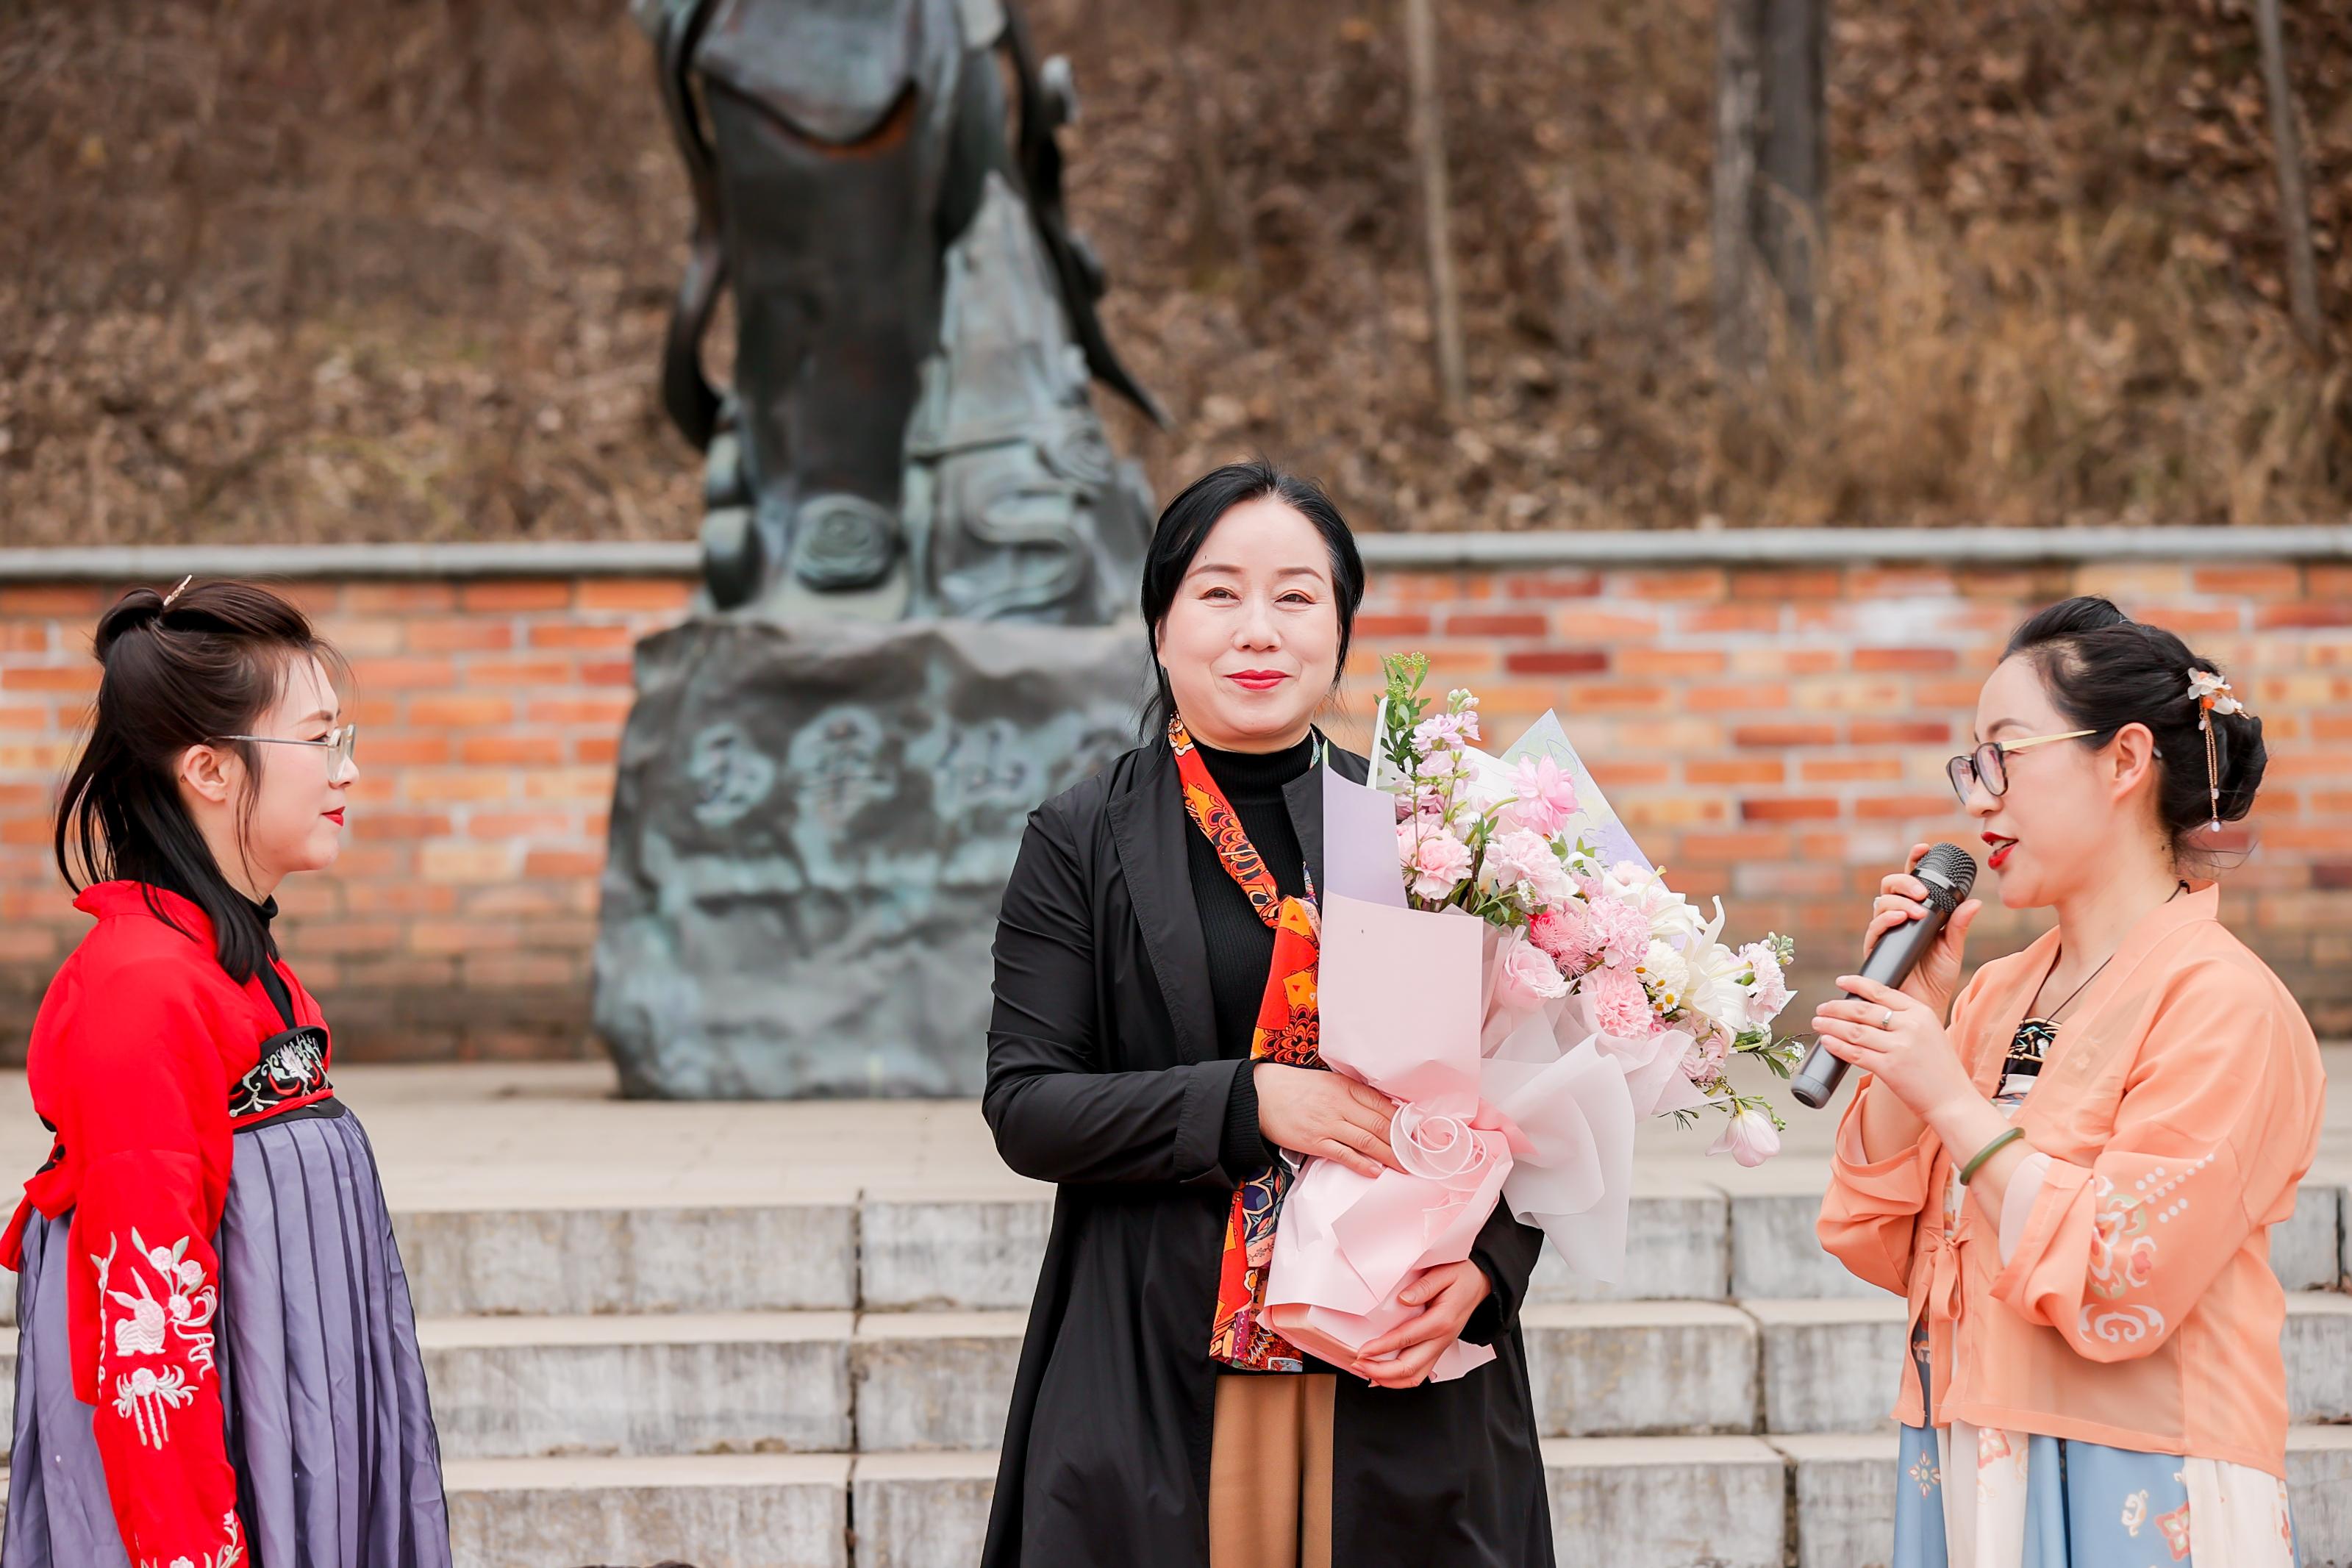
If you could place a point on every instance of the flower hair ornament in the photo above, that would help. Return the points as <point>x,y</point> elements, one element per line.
<point>2212,694</point>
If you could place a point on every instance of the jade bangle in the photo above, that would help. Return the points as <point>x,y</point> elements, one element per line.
<point>1999,1143</point>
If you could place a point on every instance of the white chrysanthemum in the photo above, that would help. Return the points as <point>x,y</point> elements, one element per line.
<point>1667,975</point>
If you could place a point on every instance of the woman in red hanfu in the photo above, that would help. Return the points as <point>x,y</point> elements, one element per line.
<point>216,1355</point>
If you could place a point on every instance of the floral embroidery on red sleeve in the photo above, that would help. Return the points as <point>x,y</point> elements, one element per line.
<point>141,1325</point>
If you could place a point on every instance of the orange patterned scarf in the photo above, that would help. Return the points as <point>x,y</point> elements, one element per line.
<point>1287,1032</point>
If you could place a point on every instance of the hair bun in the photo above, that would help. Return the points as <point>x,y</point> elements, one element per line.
<point>140,607</point>
<point>2240,758</point>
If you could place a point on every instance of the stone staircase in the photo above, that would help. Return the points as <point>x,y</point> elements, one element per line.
<point>837,1403</point>
<point>816,1376</point>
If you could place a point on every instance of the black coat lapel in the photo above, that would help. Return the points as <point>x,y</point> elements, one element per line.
<point>1148,824</point>
<point>1303,798</point>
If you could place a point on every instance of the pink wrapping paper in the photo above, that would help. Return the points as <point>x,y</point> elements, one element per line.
<point>1348,1244</point>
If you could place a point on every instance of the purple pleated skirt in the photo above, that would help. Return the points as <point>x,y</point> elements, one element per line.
<point>329,1429</point>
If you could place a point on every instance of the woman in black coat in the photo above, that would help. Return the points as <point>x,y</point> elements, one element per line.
<point>1139,938</point>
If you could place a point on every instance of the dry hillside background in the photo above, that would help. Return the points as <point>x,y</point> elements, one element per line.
<point>310,269</point>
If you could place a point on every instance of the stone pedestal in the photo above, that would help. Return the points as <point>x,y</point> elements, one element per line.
<point>811,832</point>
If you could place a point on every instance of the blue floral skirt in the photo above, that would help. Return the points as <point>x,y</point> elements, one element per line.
<point>1971,1497</point>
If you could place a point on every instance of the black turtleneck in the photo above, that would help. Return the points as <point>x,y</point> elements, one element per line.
<point>1240,944</point>
<point>271,980</point>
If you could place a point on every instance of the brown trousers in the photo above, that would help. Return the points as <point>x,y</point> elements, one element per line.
<point>1270,1471</point>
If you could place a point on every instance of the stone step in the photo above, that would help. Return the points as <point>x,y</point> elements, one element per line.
<point>1640,1368</point>
<point>1833,1367</point>
<point>1637,1502</point>
<point>753,1256</point>
<point>721,1510</point>
<point>1643,1503</point>
<point>830,1382</point>
<point>736,1382</point>
<point>979,1248</point>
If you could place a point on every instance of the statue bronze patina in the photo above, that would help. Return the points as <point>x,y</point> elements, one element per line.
<point>917,543</point>
<point>908,429</point>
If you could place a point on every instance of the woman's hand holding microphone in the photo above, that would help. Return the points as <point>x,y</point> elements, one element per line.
<point>1897,1035</point>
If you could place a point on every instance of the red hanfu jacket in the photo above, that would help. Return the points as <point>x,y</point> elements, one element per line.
<point>142,1056</point>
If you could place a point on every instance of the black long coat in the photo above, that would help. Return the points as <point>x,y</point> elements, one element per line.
<point>1104,1077</point>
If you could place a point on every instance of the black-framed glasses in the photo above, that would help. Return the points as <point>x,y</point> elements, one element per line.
<point>1986,766</point>
<point>342,740</point>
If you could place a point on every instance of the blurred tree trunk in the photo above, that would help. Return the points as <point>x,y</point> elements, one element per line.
<point>2287,150</point>
<point>1771,177</point>
<point>1427,132</point>
<point>1738,49</point>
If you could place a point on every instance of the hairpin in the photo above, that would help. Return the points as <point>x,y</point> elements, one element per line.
<point>2211,695</point>
<point>175,592</point>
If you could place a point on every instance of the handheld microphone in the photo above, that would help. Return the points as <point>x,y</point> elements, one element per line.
<point>1949,872</point>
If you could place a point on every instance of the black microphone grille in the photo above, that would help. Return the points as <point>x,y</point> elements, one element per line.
<point>1949,872</point>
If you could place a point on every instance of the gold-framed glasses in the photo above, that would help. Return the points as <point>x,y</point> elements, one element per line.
<point>341,740</point>
<point>1986,766</point>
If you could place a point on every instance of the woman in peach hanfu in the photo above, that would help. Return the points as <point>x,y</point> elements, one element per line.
<point>2073,1184</point>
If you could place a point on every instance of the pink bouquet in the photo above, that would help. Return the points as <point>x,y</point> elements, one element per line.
<point>1522,1043</point>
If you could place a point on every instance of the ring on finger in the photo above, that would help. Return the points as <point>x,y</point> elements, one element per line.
<point>1886,1020</point>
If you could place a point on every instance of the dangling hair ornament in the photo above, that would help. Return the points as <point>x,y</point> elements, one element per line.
<point>175,592</point>
<point>2212,694</point>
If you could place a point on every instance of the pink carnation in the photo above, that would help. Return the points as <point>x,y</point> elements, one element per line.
<point>1434,860</point>
<point>1770,995</point>
<point>1703,1063</point>
<point>1566,932</point>
<point>1620,1006</point>
<point>1624,932</point>
<point>1544,798</point>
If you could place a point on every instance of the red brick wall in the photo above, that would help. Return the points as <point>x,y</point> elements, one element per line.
<point>458,921</point>
<point>1775,735</point>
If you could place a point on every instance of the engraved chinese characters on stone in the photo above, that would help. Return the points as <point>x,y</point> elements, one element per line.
<point>730,774</point>
<point>811,833</point>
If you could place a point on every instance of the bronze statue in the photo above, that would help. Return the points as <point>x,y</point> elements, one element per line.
<point>909,434</point>
<point>824,779</point>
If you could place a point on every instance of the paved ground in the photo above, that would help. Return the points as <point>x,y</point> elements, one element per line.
<point>557,1135</point>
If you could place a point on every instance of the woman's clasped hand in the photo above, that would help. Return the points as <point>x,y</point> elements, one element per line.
<point>1309,1111</point>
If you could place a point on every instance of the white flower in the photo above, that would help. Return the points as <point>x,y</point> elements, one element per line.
<point>1672,919</point>
<point>1751,1139</point>
<point>1715,988</point>
<point>1667,974</point>
<point>2212,691</point>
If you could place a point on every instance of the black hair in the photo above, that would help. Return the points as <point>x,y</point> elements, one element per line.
<point>2104,670</point>
<point>193,670</point>
<point>1187,520</point>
